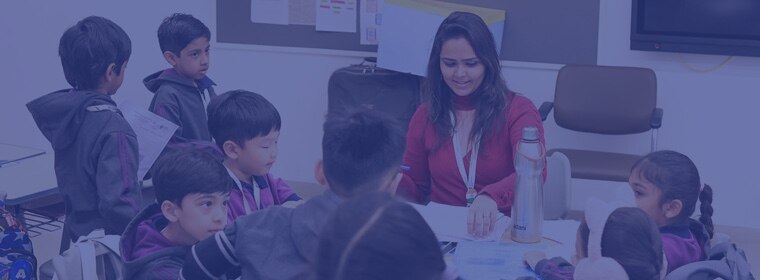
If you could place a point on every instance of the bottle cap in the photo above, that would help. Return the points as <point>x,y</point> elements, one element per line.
<point>530,133</point>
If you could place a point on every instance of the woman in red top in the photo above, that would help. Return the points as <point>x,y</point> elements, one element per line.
<point>468,111</point>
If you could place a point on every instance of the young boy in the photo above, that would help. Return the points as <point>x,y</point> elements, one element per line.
<point>246,128</point>
<point>95,148</point>
<point>192,190</point>
<point>361,153</point>
<point>179,91</point>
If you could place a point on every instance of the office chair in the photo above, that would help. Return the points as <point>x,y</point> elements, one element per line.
<point>607,100</point>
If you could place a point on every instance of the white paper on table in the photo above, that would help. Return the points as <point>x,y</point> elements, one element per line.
<point>336,15</point>
<point>449,223</point>
<point>564,232</point>
<point>409,27</point>
<point>370,19</point>
<point>479,260</point>
<point>303,12</point>
<point>270,11</point>
<point>153,132</point>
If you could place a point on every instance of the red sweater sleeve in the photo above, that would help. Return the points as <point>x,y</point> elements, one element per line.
<point>415,185</point>
<point>521,113</point>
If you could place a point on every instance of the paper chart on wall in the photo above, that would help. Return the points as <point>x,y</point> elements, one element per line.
<point>270,11</point>
<point>336,15</point>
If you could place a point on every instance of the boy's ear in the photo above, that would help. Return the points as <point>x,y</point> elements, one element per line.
<point>109,75</point>
<point>319,173</point>
<point>170,211</point>
<point>673,208</point>
<point>170,57</point>
<point>231,149</point>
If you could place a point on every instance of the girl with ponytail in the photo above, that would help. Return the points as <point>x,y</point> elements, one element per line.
<point>667,186</point>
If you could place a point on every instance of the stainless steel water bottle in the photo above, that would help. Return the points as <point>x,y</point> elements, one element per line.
<point>528,204</point>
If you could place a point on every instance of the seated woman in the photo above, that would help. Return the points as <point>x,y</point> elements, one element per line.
<point>461,140</point>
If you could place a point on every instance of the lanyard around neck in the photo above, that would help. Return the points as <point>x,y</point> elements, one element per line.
<point>256,191</point>
<point>468,179</point>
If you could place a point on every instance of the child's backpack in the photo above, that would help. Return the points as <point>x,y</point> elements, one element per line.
<point>95,256</point>
<point>17,259</point>
<point>724,260</point>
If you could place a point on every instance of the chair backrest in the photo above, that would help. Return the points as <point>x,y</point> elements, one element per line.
<point>605,99</point>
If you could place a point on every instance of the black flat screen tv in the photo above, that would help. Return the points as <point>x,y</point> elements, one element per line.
<point>724,27</point>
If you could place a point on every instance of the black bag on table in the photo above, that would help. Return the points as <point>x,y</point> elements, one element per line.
<point>366,85</point>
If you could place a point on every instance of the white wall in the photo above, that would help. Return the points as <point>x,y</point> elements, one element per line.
<point>708,116</point>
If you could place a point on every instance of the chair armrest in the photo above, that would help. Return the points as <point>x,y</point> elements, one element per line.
<point>544,110</point>
<point>655,121</point>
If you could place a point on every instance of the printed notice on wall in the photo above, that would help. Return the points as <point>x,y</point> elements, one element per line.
<point>270,11</point>
<point>370,19</point>
<point>336,15</point>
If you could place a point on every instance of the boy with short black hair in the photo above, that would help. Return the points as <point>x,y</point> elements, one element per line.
<point>361,153</point>
<point>246,128</point>
<point>182,92</point>
<point>95,148</point>
<point>192,192</point>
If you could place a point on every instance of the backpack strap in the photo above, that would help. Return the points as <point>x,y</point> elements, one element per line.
<point>87,254</point>
<point>86,245</point>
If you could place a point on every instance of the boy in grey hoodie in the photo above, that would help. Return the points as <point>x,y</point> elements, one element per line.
<point>361,153</point>
<point>192,192</point>
<point>95,149</point>
<point>180,92</point>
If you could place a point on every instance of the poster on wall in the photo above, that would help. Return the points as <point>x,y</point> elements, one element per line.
<point>336,15</point>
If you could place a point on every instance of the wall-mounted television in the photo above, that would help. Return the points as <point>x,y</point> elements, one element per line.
<point>725,27</point>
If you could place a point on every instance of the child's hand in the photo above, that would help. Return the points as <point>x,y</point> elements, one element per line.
<point>533,257</point>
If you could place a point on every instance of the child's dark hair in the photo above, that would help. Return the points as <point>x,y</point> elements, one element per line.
<point>89,47</point>
<point>178,30</point>
<point>631,238</point>
<point>374,236</point>
<point>359,148</point>
<point>677,178</point>
<point>188,171</point>
<point>241,115</point>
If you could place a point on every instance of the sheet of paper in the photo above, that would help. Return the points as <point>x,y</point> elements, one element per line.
<point>336,15</point>
<point>270,11</point>
<point>409,26</point>
<point>563,232</point>
<point>449,223</point>
<point>153,132</point>
<point>481,260</point>
<point>370,19</point>
<point>303,12</point>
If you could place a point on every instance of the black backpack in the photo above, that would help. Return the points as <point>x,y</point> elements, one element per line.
<point>367,86</point>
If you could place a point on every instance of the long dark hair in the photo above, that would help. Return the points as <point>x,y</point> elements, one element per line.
<point>374,236</point>
<point>631,238</point>
<point>490,98</point>
<point>677,178</point>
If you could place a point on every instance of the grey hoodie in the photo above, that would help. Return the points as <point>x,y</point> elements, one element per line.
<point>177,99</point>
<point>274,243</point>
<point>96,160</point>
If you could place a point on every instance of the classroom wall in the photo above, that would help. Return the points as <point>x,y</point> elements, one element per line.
<point>708,116</point>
